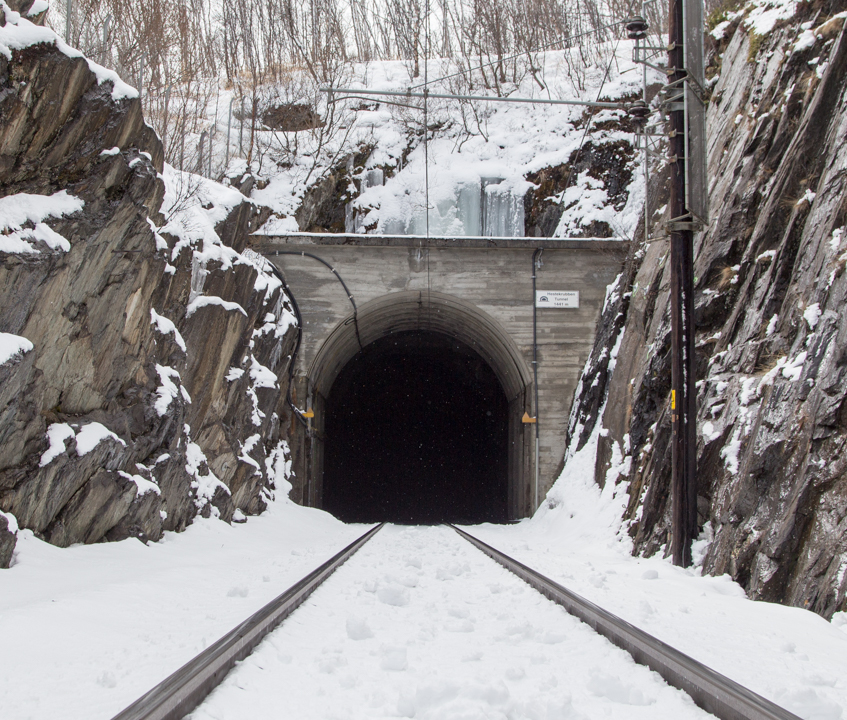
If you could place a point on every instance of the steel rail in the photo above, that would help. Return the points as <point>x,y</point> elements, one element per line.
<point>712,691</point>
<point>184,690</point>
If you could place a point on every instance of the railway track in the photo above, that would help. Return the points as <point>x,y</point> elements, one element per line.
<point>421,624</point>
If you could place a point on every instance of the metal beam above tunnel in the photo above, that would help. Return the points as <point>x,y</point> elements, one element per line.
<point>614,245</point>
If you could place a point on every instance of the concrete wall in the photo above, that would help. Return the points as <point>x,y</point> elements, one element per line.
<point>493,281</point>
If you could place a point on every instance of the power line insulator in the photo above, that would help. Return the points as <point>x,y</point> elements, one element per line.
<point>639,111</point>
<point>636,28</point>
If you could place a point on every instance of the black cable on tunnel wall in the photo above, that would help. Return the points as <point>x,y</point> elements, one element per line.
<point>535,257</point>
<point>299,317</point>
<point>296,308</point>
<point>340,279</point>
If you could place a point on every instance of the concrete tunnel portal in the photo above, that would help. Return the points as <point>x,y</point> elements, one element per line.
<point>421,422</point>
<point>479,292</point>
<point>416,432</point>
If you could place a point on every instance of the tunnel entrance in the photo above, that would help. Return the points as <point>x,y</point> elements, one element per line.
<point>416,431</point>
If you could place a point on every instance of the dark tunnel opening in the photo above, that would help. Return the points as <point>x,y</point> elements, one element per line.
<point>416,432</point>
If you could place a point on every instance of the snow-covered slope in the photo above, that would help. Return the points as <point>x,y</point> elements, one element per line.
<point>489,168</point>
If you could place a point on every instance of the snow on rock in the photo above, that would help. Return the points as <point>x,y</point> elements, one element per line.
<point>279,226</point>
<point>11,521</point>
<point>266,279</point>
<point>765,14</point>
<point>38,7</point>
<point>167,392</point>
<point>20,211</point>
<point>161,244</point>
<point>794,368</point>
<point>89,436</point>
<point>205,483</point>
<point>143,484</point>
<point>807,39</point>
<point>261,376</point>
<point>238,516</point>
<point>193,207</point>
<point>278,469</point>
<point>206,300</point>
<point>12,347</point>
<point>246,447</point>
<point>57,435</point>
<point>812,314</point>
<point>19,33</point>
<point>165,326</point>
<point>719,31</point>
<point>234,374</point>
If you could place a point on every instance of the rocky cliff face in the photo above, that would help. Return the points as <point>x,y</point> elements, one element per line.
<point>139,383</point>
<point>771,328</point>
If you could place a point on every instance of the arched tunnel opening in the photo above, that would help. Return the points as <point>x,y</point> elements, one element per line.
<point>416,431</point>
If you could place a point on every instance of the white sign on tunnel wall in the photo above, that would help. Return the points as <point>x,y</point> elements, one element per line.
<point>557,298</point>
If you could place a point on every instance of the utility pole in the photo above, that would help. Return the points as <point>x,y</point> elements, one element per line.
<point>688,208</point>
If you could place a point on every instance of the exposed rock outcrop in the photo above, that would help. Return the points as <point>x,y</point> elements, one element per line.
<point>151,393</point>
<point>609,163</point>
<point>771,331</point>
<point>8,538</point>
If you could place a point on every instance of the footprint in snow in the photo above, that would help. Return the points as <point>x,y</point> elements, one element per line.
<point>515,673</point>
<point>410,581</point>
<point>393,595</point>
<point>330,663</point>
<point>358,629</point>
<point>393,658</point>
<point>457,611</point>
<point>613,688</point>
<point>459,626</point>
<point>107,680</point>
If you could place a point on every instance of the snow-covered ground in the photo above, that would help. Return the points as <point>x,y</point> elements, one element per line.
<point>420,624</point>
<point>86,630</point>
<point>789,655</point>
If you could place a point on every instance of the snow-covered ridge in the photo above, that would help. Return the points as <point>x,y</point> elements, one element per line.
<point>18,33</point>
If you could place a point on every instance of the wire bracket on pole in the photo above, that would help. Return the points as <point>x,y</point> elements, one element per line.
<point>682,225</point>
